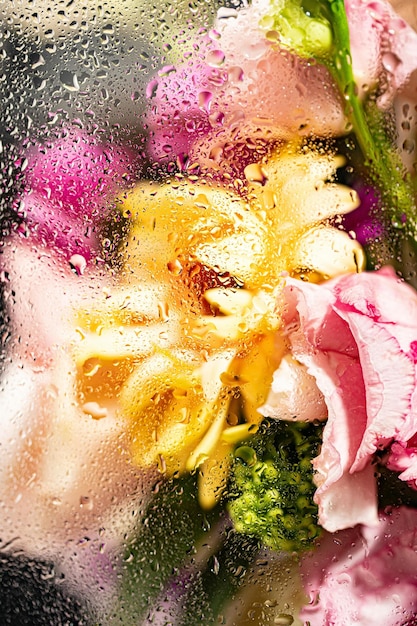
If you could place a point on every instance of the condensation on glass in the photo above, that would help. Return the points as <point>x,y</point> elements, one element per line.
<point>104,314</point>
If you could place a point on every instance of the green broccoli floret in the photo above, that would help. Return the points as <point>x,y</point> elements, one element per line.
<point>271,494</point>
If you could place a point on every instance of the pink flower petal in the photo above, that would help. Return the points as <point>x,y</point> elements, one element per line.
<point>350,500</point>
<point>403,458</point>
<point>70,184</point>
<point>364,575</point>
<point>389,380</point>
<point>323,342</point>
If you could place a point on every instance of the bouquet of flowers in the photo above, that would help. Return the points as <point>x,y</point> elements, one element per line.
<point>220,423</point>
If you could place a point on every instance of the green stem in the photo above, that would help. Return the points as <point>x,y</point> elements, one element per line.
<point>377,148</point>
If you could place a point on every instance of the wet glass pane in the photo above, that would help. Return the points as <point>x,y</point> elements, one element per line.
<point>208,313</point>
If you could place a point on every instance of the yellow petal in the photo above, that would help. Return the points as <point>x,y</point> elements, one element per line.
<point>297,191</point>
<point>256,368</point>
<point>235,434</point>
<point>213,475</point>
<point>125,305</point>
<point>215,331</point>
<point>245,312</point>
<point>181,222</point>
<point>229,301</point>
<point>209,442</point>
<point>328,251</point>
<point>124,342</point>
<point>211,372</point>
<point>164,404</point>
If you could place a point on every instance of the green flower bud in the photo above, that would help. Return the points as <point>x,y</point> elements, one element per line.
<point>305,30</point>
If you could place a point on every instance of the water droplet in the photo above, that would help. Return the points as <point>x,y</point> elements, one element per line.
<point>224,13</point>
<point>254,173</point>
<point>202,201</point>
<point>175,267</point>
<point>351,90</point>
<point>215,58</point>
<point>272,35</point>
<point>399,221</point>
<point>335,7</point>
<point>235,74</point>
<point>390,61</point>
<point>216,566</point>
<point>93,409</point>
<point>69,80</point>
<point>229,380</point>
<point>166,70</point>
<point>284,619</point>
<point>39,83</point>
<point>217,118</point>
<point>214,34</point>
<point>247,455</point>
<point>204,100</point>
<point>408,146</point>
<point>86,503</point>
<point>163,311</point>
<point>36,60</point>
<point>151,89</point>
<point>78,263</point>
<point>92,366</point>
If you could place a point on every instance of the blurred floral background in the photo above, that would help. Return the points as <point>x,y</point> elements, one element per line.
<point>97,98</point>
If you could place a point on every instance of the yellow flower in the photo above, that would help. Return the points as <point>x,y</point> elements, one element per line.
<point>189,340</point>
<point>295,190</point>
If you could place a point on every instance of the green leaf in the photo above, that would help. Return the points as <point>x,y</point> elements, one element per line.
<point>216,584</point>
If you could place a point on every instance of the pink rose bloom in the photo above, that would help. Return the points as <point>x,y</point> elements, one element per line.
<point>237,85</point>
<point>357,336</point>
<point>69,183</point>
<point>364,576</point>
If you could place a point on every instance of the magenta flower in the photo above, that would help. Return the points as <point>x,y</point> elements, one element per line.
<point>364,575</point>
<point>69,185</point>
<point>358,342</point>
<point>367,220</point>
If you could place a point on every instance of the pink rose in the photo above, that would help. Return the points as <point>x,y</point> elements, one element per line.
<point>236,86</point>
<point>364,575</point>
<point>69,182</point>
<point>357,336</point>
